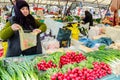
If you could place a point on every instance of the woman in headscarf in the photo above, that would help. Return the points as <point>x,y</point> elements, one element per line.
<point>88,18</point>
<point>115,6</point>
<point>23,19</point>
<point>13,2</point>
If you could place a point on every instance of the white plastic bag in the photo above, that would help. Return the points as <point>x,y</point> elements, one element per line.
<point>118,12</point>
<point>50,43</point>
<point>53,26</point>
<point>94,31</point>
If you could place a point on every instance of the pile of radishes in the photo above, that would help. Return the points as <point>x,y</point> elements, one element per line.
<point>71,57</point>
<point>100,70</point>
<point>43,65</point>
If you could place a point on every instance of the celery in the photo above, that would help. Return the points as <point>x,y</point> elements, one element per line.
<point>11,72</point>
<point>4,74</point>
<point>25,72</point>
<point>30,69</point>
<point>18,71</point>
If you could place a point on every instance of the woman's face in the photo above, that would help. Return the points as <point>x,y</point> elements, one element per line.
<point>14,2</point>
<point>25,11</point>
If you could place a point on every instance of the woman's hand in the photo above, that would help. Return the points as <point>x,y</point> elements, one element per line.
<point>36,31</point>
<point>15,27</point>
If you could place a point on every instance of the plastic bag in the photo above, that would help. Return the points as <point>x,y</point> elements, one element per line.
<point>75,31</point>
<point>94,31</point>
<point>63,34</point>
<point>27,40</point>
<point>3,49</point>
<point>118,12</point>
<point>50,43</point>
<point>53,26</point>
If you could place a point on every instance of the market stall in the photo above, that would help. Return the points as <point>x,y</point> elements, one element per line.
<point>71,65</point>
<point>71,50</point>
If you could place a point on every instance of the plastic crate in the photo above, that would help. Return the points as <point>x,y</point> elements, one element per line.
<point>59,20</point>
<point>42,21</point>
<point>110,77</point>
<point>21,58</point>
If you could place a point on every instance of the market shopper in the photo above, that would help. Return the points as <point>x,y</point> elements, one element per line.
<point>88,18</point>
<point>115,7</point>
<point>23,19</point>
<point>12,12</point>
<point>13,2</point>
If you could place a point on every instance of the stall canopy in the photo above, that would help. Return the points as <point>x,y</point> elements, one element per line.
<point>63,2</point>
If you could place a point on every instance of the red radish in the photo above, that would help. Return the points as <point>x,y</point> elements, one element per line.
<point>100,70</point>
<point>43,65</point>
<point>71,57</point>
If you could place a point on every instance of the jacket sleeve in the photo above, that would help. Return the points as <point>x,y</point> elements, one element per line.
<point>41,26</point>
<point>6,32</point>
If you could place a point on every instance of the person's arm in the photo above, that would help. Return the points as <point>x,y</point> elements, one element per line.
<point>6,32</point>
<point>41,26</point>
<point>113,6</point>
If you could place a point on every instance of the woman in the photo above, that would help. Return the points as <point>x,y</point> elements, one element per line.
<point>88,18</point>
<point>115,7</point>
<point>24,19</point>
<point>13,2</point>
<point>12,10</point>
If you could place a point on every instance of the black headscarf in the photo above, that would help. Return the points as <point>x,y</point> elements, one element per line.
<point>87,13</point>
<point>15,1</point>
<point>27,22</point>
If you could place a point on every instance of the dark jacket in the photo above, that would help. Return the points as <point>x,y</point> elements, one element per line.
<point>88,18</point>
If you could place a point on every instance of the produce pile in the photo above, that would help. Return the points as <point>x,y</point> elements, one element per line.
<point>63,66</point>
<point>110,56</point>
<point>43,65</point>
<point>17,71</point>
<point>73,65</point>
<point>71,18</point>
<point>105,55</point>
<point>99,70</point>
<point>71,57</point>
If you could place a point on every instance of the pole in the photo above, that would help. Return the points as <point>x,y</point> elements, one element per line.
<point>108,8</point>
<point>59,3</point>
<point>66,8</point>
<point>60,8</point>
<point>99,9</point>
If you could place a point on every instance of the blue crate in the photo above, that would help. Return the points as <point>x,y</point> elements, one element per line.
<point>110,77</point>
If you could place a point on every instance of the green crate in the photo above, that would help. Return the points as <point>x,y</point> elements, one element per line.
<point>98,20</point>
<point>59,20</point>
<point>42,21</point>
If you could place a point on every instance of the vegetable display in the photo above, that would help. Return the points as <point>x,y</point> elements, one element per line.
<point>63,66</point>
<point>100,70</point>
<point>44,66</point>
<point>17,71</point>
<point>71,57</point>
